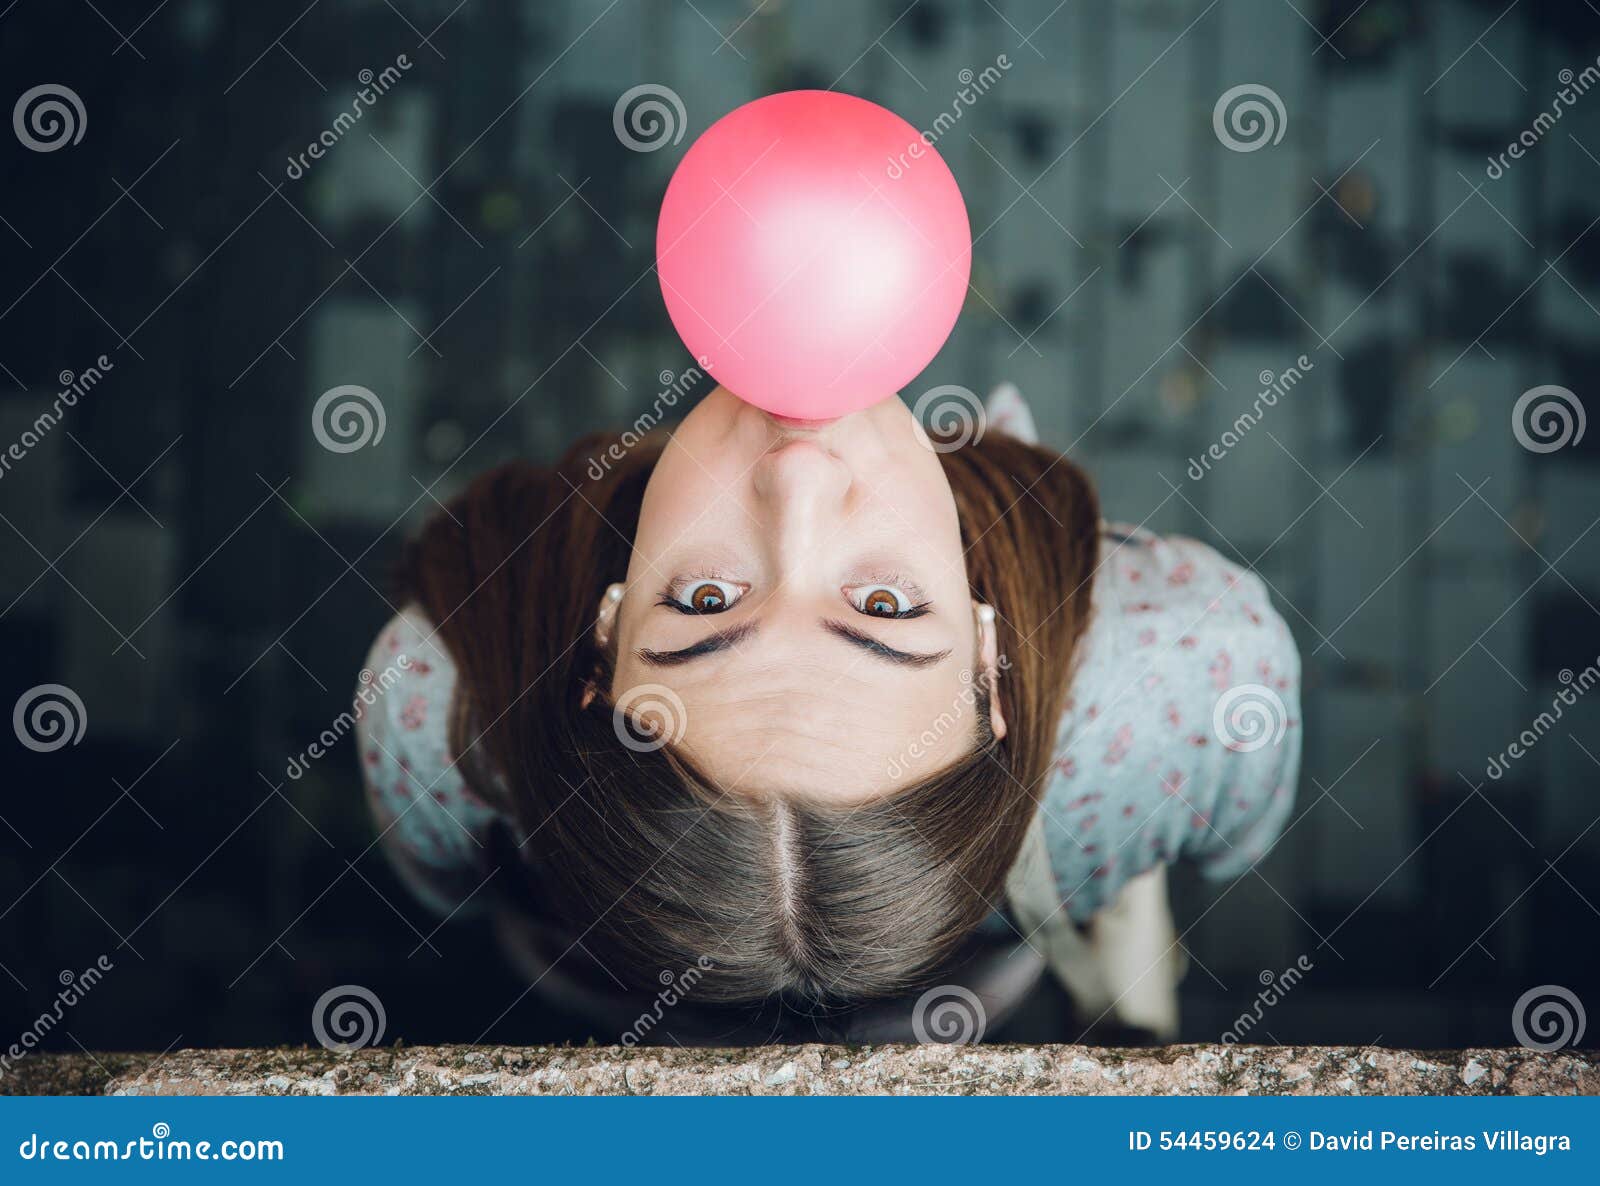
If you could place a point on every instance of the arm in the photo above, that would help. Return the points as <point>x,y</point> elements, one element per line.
<point>430,824</point>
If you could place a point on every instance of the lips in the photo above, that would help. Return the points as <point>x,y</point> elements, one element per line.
<point>803,425</point>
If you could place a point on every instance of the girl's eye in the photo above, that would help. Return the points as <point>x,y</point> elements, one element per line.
<point>706,597</point>
<point>884,601</point>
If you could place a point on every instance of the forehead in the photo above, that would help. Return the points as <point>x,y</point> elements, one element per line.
<point>830,728</point>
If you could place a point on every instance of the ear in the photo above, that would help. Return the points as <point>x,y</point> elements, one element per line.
<point>605,620</point>
<point>989,656</point>
<point>605,623</point>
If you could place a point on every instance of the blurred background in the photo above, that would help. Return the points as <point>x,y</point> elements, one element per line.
<point>182,553</point>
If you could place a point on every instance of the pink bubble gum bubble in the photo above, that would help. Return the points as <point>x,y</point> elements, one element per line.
<point>813,253</point>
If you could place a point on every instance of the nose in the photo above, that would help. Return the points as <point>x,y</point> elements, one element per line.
<point>801,476</point>
<point>801,490</point>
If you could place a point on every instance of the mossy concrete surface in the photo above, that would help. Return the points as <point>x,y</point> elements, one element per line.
<point>814,1070</point>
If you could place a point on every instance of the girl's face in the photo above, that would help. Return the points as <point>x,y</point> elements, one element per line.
<point>800,589</point>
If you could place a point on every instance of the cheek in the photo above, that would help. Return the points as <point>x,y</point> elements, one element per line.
<point>922,508</point>
<point>676,501</point>
<point>624,676</point>
<point>918,486</point>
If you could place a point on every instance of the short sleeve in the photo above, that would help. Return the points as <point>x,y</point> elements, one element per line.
<point>1250,774</point>
<point>1182,733</point>
<point>430,823</point>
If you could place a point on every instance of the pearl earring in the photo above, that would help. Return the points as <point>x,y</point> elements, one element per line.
<point>608,614</point>
<point>986,614</point>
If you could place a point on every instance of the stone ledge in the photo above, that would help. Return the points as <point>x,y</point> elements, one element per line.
<point>814,1070</point>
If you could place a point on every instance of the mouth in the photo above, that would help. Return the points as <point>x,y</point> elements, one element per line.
<point>792,443</point>
<point>797,425</point>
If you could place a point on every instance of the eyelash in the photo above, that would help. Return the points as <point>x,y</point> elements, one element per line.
<point>676,589</point>
<point>920,604</point>
<point>916,611</point>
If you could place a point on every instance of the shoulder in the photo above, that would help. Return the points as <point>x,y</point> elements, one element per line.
<point>430,822</point>
<point>1174,606</point>
<point>404,695</point>
<point>1181,735</point>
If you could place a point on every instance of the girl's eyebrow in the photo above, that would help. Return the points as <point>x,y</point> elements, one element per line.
<point>720,641</point>
<point>723,640</point>
<point>883,650</point>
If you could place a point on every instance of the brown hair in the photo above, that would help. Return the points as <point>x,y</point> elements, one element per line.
<point>660,869</point>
